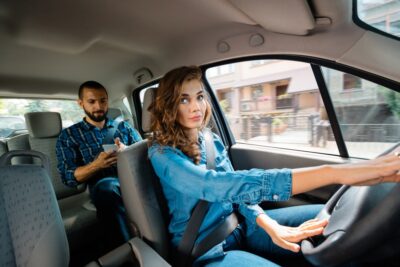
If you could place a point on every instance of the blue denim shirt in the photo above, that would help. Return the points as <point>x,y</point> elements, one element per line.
<point>185,183</point>
<point>80,144</point>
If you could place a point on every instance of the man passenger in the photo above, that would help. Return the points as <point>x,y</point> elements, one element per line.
<point>81,158</point>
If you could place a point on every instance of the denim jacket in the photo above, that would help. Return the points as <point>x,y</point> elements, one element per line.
<point>185,183</point>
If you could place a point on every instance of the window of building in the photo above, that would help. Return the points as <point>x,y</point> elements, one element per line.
<point>351,82</point>
<point>257,91</point>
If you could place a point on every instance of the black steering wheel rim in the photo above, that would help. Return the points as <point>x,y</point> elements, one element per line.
<point>362,234</point>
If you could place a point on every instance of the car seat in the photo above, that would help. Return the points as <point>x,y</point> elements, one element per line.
<point>141,191</point>
<point>31,228</point>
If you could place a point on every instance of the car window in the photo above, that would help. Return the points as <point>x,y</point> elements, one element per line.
<point>16,108</point>
<point>10,124</point>
<point>368,113</point>
<point>381,15</point>
<point>273,103</point>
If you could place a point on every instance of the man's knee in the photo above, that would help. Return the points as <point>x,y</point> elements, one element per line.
<point>107,189</point>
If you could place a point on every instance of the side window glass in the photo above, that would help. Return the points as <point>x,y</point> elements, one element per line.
<point>273,103</point>
<point>12,121</point>
<point>368,113</point>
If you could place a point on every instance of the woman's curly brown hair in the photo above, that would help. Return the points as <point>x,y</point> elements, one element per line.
<point>164,112</point>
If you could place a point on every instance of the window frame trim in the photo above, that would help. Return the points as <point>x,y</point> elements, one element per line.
<point>366,26</point>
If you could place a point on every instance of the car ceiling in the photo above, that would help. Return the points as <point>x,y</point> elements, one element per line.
<point>47,48</point>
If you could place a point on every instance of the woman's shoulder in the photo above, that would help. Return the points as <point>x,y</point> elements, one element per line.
<point>156,148</point>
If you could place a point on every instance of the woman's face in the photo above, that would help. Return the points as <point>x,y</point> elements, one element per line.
<point>192,105</point>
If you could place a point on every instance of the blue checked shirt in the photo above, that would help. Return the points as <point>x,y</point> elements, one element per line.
<point>185,183</point>
<point>80,144</point>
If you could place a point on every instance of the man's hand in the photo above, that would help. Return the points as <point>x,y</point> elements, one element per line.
<point>119,144</point>
<point>105,160</point>
<point>286,237</point>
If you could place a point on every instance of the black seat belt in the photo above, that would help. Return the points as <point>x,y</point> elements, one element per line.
<point>189,236</point>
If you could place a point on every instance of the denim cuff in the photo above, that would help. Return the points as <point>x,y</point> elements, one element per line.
<point>278,185</point>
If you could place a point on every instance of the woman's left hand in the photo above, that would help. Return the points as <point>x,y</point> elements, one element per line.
<point>286,237</point>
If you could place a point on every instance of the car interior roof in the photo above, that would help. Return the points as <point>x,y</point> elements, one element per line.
<point>48,48</point>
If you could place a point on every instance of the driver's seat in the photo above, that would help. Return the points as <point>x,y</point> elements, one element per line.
<point>141,191</point>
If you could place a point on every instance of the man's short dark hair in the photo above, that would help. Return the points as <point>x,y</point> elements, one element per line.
<point>91,85</point>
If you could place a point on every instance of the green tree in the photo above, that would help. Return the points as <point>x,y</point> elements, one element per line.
<point>392,99</point>
<point>224,104</point>
<point>36,105</point>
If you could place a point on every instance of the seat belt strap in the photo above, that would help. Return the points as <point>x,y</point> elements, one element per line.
<point>192,229</point>
<point>109,138</point>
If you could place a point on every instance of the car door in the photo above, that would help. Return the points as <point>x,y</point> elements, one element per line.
<point>295,112</point>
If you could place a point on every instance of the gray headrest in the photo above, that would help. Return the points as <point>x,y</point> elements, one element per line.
<point>149,96</point>
<point>43,124</point>
<point>114,113</point>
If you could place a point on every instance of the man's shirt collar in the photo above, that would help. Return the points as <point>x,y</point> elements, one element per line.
<point>87,126</point>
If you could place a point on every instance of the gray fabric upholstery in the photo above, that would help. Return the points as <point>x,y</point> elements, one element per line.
<point>43,124</point>
<point>3,147</point>
<point>80,222</point>
<point>44,140</point>
<point>48,147</point>
<point>20,142</point>
<point>114,113</point>
<point>141,191</point>
<point>149,96</point>
<point>31,229</point>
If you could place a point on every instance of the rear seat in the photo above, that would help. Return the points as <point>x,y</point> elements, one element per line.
<point>78,213</point>
<point>3,147</point>
<point>19,142</point>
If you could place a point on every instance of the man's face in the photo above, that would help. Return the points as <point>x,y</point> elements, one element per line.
<point>95,104</point>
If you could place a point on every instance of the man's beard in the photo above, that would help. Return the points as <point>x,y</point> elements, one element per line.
<point>94,117</point>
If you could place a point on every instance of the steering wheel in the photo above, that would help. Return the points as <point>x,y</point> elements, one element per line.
<point>360,219</point>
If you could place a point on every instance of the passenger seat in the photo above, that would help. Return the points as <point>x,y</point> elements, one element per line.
<point>78,213</point>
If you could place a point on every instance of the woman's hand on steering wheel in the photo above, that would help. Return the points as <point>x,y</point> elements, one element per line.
<point>286,237</point>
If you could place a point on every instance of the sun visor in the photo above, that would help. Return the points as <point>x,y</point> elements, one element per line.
<point>281,16</point>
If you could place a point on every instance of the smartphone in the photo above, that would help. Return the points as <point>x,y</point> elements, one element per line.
<point>110,148</point>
